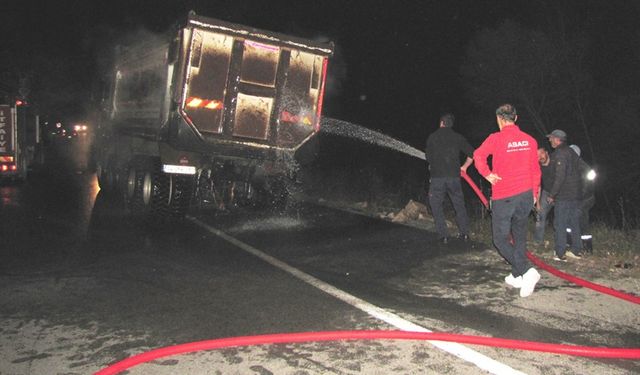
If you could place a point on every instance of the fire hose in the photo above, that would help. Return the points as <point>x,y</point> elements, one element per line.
<point>552,270</point>
<point>288,338</point>
<point>282,338</point>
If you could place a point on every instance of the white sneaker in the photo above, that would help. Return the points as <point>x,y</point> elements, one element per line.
<point>529,281</point>
<point>515,282</point>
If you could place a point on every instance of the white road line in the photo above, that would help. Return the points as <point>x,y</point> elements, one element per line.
<point>459,350</point>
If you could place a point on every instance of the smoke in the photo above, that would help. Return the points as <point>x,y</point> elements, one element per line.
<point>336,71</point>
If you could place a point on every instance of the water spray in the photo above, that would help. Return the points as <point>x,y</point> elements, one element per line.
<point>350,130</point>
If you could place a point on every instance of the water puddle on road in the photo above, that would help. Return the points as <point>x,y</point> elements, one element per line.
<point>270,224</point>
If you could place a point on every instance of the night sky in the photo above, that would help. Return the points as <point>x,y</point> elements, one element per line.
<point>392,58</point>
<point>397,65</point>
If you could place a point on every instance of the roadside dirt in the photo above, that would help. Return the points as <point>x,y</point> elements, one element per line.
<point>600,265</point>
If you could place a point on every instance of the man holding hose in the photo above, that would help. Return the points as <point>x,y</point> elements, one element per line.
<point>515,183</point>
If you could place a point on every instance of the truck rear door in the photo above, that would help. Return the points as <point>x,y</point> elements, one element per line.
<point>250,87</point>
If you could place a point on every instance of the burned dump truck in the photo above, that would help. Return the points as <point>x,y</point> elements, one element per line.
<point>215,114</point>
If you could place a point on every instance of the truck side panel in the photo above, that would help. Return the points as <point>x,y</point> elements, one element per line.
<point>139,92</point>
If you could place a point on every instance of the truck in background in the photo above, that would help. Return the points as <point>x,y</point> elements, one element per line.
<point>213,114</point>
<point>19,140</point>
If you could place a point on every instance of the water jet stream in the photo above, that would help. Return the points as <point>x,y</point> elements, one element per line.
<point>350,130</point>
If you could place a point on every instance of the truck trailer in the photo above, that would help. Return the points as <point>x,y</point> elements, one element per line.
<point>19,141</point>
<point>212,114</point>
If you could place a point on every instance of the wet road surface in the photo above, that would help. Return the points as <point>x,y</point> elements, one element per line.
<point>82,285</point>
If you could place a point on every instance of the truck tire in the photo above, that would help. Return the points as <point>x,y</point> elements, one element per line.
<point>151,192</point>
<point>180,192</point>
<point>136,188</point>
<point>106,177</point>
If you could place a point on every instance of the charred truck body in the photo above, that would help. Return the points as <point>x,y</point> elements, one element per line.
<point>217,114</point>
<point>19,141</point>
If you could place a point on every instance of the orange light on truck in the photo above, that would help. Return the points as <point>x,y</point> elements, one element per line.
<point>6,159</point>
<point>291,118</point>
<point>213,104</point>
<point>194,102</point>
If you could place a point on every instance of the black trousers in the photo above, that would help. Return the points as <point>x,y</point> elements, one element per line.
<point>509,223</point>
<point>440,187</point>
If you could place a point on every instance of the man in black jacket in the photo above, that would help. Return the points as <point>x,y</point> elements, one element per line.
<point>443,155</point>
<point>565,194</point>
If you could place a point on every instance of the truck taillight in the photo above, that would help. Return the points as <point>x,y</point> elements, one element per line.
<point>194,102</point>
<point>8,168</point>
<point>321,97</point>
<point>289,117</point>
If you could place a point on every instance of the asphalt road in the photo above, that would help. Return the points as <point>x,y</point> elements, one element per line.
<point>82,286</point>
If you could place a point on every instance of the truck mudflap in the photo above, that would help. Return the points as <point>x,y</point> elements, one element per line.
<point>174,161</point>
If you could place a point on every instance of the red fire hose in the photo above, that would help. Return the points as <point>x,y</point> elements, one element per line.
<point>582,282</point>
<point>584,351</point>
<point>475,188</point>
<point>554,271</point>
<point>281,338</point>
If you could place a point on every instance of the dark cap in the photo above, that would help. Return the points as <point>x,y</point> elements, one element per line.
<point>560,134</point>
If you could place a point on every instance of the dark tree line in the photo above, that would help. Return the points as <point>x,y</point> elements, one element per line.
<point>557,78</point>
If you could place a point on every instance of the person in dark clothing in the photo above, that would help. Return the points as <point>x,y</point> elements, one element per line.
<point>565,194</point>
<point>587,200</point>
<point>543,207</point>
<point>442,152</point>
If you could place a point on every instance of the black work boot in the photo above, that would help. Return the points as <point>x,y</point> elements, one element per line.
<point>569,242</point>
<point>587,244</point>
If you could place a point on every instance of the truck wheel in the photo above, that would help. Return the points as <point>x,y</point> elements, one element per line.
<point>180,192</point>
<point>146,189</point>
<point>154,194</point>
<point>155,191</point>
<point>134,188</point>
<point>106,178</point>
